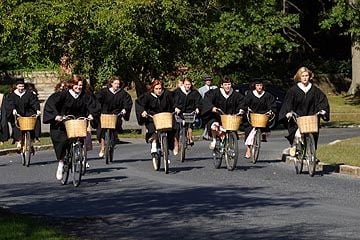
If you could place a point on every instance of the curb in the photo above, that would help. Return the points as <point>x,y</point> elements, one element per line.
<point>330,168</point>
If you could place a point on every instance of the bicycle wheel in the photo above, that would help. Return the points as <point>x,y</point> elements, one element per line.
<point>84,161</point>
<point>299,159</point>
<point>255,148</point>
<point>218,154</point>
<point>66,168</point>
<point>107,146</point>
<point>231,151</point>
<point>111,146</point>
<point>165,153</point>
<point>27,149</point>
<point>310,154</point>
<point>182,143</point>
<point>76,164</point>
<point>155,161</point>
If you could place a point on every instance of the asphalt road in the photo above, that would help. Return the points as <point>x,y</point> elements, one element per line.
<point>128,200</point>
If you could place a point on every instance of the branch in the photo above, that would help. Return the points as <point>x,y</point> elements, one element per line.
<point>293,31</point>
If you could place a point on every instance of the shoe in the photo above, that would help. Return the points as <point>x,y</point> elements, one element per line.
<point>191,143</point>
<point>59,171</point>
<point>212,145</point>
<point>263,138</point>
<point>37,140</point>
<point>18,145</point>
<point>101,154</point>
<point>32,150</point>
<point>292,151</point>
<point>247,156</point>
<point>175,151</point>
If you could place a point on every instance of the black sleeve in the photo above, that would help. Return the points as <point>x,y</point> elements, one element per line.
<point>127,105</point>
<point>50,109</point>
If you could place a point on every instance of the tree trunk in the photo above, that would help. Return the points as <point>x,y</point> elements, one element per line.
<point>355,62</point>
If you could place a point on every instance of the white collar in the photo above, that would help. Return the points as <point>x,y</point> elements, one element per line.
<point>18,93</point>
<point>256,94</point>
<point>304,88</point>
<point>113,91</point>
<point>226,95</point>
<point>182,88</point>
<point>74,94</point>
<point>157,95</point>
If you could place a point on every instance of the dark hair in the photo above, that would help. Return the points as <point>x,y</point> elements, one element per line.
<point>225,79</point>
<point>31,87</point>
<point>58,86</point>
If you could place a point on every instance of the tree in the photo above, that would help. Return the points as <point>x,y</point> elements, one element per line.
<point>346,14</point>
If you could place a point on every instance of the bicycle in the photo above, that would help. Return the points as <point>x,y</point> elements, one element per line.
<point>185,121</point>
<point>26,124</point>
<point>108,122</point>
<point>163,123</point>
<point>75,157</point>
<point>304,144</point>
<point>228,146</point>
<point>258,122</point>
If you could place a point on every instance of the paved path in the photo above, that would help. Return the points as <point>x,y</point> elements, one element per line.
<point>128,200</point>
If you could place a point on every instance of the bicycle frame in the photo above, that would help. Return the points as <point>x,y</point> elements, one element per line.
<point>184,122</point>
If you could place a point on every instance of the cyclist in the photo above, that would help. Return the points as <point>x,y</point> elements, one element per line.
<point>303,99</point>
<point>186,100</point>
<point>71,101</point>
<point>157,100</point>
<point>113,99</point>
<point>258,101</point>
<point>24,103</point>
<point>225,98</point>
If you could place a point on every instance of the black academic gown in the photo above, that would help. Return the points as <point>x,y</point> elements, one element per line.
<point>62,104</point>
<point>4,127</point>
<point>26,106</point>
<point>153,104</point>
<point>214,98</point>
<point>303,104</point>
<point>113,103</point>
<point>258,105</point>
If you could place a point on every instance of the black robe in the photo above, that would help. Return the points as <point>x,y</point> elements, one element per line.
<point>26,106</point>
<point>4,127</point>
<point>63,103</point>
<point>258,105</point>
<point>152,104</point>
<point>113,103</point>
<point>214,98</point>
<point>303,104</point>
<point>187,103</point>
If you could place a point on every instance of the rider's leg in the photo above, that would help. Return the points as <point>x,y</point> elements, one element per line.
<point>176,145</point>
<point>190,136</point>
<point>102,147</point>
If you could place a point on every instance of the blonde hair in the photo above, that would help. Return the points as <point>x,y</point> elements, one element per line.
<point>300,71</point>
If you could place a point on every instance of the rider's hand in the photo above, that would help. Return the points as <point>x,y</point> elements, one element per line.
<point>90,117</point>
<point>241,112</point>
<point>322,112</point>
<point>123,112</point>
<point>214,109</point>
<point>38,113</point>
<point>289,115</point>
<point>177,110</point>
<point>197,111</point>
<point>14,112</point>
<point>144,114</point>
<point>58,118</point>
<point>270,112</point>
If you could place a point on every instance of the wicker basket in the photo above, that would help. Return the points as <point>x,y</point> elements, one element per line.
<point>231,122</point>
<point>76,128</point>
<point>163,121</point>
<point>26,123</point>
<point>308,124</point>
<point>108,121</point>
<point>259,120</point>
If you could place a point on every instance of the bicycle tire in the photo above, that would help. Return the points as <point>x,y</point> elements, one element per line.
<point>66,168</point>
<point>218,154</point>
<point>231,150</point>
<point>182,143</point>
<point>27,148</point>
<point>76,164</point>
<point>84,161</point>
<point>310,154</point>
<point>111,146</point>
<point>255,148</point>
<point>107,146</point>
<point>165,153</point>
<point>155,161</point>
<point>299,157</point>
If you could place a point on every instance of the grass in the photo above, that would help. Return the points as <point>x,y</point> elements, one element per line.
<point>345,110</point>
<point>344,152</point>
<point>43,141</point>
<point>24,227</point>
